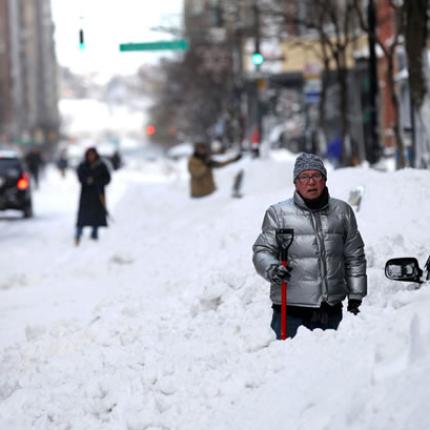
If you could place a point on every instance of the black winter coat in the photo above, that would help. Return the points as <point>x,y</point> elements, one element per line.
<point>92,202</point>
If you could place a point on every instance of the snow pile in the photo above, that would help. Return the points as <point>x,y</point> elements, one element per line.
<point>164,324</point>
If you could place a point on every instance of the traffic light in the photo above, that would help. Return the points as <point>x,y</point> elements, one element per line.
<point>150,129</point>
<point>81,40</point>
<point>257,58</point>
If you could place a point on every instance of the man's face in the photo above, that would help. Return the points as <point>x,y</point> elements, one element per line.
<point>310,184</point>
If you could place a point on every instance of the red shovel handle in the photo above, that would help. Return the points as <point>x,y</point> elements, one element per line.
<point>284,306</point>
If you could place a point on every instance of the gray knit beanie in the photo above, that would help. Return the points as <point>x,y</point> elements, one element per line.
<point>307,161</point>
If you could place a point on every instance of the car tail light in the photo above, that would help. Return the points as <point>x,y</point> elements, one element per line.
<point>23,182</point>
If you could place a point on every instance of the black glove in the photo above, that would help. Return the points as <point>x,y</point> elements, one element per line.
<point>278,273</point>
<point>353,306</point>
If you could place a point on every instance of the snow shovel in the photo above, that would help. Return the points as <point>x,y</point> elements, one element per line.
<point>284,237</point>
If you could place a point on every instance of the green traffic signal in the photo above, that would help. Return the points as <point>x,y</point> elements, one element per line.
<point>81,40</point>
<point>257,58</point>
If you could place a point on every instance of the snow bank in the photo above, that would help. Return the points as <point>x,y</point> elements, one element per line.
<point>165,325</point>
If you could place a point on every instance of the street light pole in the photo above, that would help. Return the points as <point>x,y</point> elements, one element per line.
<point>374,149</point>
<point>259,119</point>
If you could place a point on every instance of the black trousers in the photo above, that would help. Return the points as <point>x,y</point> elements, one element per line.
<point>325,317</point>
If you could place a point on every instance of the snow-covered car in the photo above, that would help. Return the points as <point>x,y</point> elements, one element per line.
<point>177,152</point>
<point>15,187</point>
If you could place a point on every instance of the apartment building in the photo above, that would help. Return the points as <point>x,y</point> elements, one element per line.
<point>28,72</point>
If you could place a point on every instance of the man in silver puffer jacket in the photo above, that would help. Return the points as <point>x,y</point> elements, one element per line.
<point>326,261</point>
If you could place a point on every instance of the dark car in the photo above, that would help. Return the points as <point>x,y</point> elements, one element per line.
<point>15,187</point>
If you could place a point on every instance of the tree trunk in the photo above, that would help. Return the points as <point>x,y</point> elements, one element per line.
<point>344,124</point>
<point>416,18</point>
<point>400,159</point>
<point>422,126</point>
<point>342,75</point>
<point>323,98</point>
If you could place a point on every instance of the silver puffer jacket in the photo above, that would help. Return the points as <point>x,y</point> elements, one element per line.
<point>326,257</point>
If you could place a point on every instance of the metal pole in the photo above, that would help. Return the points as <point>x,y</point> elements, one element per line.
<point>259,119</point>
<point>238,79</point>
<point>412,159</point>
<point>374,149</point>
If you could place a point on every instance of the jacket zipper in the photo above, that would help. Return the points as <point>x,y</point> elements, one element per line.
<point>317,225</point>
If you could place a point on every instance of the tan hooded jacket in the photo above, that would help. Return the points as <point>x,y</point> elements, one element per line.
<point>202,180</point>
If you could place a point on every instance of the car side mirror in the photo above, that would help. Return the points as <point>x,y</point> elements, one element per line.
<point>403,269</point>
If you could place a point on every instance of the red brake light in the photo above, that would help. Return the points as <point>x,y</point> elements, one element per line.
<point>150,129</point>
<point>23,182</point>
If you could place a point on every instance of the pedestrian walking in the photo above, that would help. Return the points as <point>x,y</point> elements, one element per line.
<point>325,261</point>
<point>200,167</point>
<point>94,175</point>
<point>34,162</point>
<point>63,163</point>
<point>116,160</point>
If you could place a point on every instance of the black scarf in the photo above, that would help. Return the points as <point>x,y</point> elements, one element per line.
<point>318,203</point>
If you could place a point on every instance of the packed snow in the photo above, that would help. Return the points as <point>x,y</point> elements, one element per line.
<point>164,324</point>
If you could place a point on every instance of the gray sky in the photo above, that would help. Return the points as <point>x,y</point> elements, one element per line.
<point>106,24</point>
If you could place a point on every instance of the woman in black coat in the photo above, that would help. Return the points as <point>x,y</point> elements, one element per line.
<point>93,175</point>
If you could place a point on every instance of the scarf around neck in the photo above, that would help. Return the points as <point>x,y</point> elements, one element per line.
<point>319,202</point>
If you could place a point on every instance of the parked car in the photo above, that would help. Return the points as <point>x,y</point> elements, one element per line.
<point>407,269</point>
<point>15,187</point>
<point>180,151</point>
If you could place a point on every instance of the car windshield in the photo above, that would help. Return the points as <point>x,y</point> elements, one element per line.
<point>10,167</point>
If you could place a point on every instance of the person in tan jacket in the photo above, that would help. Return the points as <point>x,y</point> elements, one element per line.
<point>200,166</point>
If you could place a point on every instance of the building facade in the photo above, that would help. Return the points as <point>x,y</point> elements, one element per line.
<point>6,104</point>
<point>28,73</point>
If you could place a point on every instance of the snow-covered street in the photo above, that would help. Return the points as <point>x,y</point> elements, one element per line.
<point>164,324</point>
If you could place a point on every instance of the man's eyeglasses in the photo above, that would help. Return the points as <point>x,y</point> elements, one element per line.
<point>304,179</point>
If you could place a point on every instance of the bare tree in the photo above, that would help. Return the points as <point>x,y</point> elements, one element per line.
<point>334,24</point>
<point>193,91</point>
<point>189,98</point>
<point>389,49</point>
<point>416,21</point>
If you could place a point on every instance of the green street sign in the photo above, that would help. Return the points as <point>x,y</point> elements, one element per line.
<point>162,45</point>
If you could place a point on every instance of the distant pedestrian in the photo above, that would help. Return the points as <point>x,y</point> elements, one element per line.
<point>116,160</point>
<point>200,166</point>
<point>63,163</point>
<point>325,261</point>
<point>34,162</point>
<point>93,175</point>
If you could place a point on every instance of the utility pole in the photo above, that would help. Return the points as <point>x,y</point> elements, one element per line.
<point>238,78</point>
<point>374,149</point>
<point>257,54</point>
